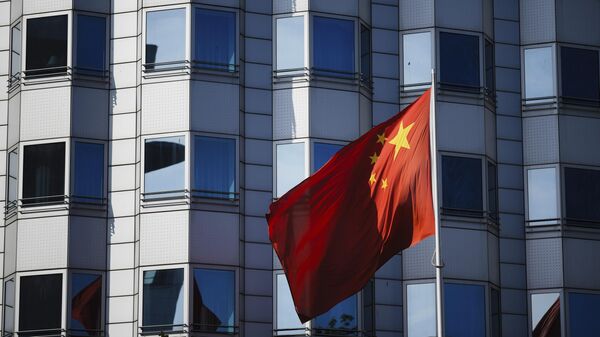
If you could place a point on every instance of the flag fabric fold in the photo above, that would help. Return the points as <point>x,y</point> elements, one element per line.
<point>368,202</point>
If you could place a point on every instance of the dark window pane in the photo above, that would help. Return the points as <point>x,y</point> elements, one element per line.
<point>163,300</point>
<point>40,304</point>
<point>15,61</point>
<point>164,169</point>
<point>490,81</point>
<point>492,190</point>
<point>215,40</point>
<point>46,45</point>
<point>368,314</point>
<point>365,53</point>
<point>580,73</point>
<point>322,153</point>
<point>582,193</point>
<point>91,44</point>
<point>545,315</point>
<point>459,59</point>
<point>464,310</point>
<point>43,173</point>
<point>584,314</point>
<point>461,183</point>
<point>496,314</point>
<point>86,305</point>
<point>343,316</point>
<point>214,167</point>
<point>9,307</point>
<point>165,38</point>
<point>214,300</point>
<point>88,175</point>
<point>333,46</point>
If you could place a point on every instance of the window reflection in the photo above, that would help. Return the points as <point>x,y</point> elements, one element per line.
<point>13,172</point>
<point>290,44</point>
<point>322,152</point>
<point>290,166</point>
<point>40,305</point>
<point>342,319</point>
<point>545,315</point>
<point>459,59</point>
<point>162,300</point>
<point>88,175</point>
<point>8,321</point>
<point>164,169</point>
<point>46,45</point>
<point>91,44</point>
<point>214,167</point>
<point>43,173</point>
<point>86,305</point>
<point>287,322</point>
<point>580,74</point>
<point>214,300</point>
<point>542,195</point>
<point>165,39</point>
<point>464,310</point>
<point>333,46</point>
<point>15,50</point>
<point>420,301</point>
<point>416,58</point>
<point>582,194</point>
<point>461,185</point>
<point>584,314</point>
<point>215,40</point>
<point>539,73</point>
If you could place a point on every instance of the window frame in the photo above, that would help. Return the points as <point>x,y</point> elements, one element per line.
<point>465,213</point>
<point>306,43</point>
<point>561,297</point>
<point>555,78</point>
<point>356,64</point>
<point>558,74</point>
<point>559,195</point>
<point>107,38</point>
<point>12,205</point>
<point>459,87</point>
<point>4,305</point>
<point>307,159</point>
<point>104,197</point>
<point>432,58</point>
<point>70,294</point>
<point>13,79</point>
<point>368,80</point>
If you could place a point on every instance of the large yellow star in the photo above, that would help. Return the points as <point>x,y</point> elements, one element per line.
<point>381,138</point>
<point>401,140</point>
<point>372,180</point>
<point>384,184</point>
<point>374,158</point>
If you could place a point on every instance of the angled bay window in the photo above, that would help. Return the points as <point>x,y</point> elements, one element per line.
<point>90,45</point>
<point>545,315</point>
<point>40,305</point>
<point>164,170</point>
<point>365,53</point>
<point>43,173</point>
<point>291,166</point>
<point>88,173</point>
<point>289,57</point>
<point>215,39</point>
<point>322,152</point>
<point>584,310</point>
<point>539,74</point>
<point>46,43</point>
<point>214,167</point>
<point>214,301</point>
<point>542,196</point>
<point>8,318</point>
<point>333,47</point>
<point>287,322</point>
<point>165,39</point>
<point>86,305</point>
<point>13,173</point>
<point>461,186</point>
<point>580,76</point>
<point>15,52</point>
<point>416,59</point>
<point>459,60</point>
<point>162,300</point>
<point>582,196</point>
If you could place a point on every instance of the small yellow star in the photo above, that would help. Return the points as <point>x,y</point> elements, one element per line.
<point>381,138</point>
<point>384,184</point>
<point>372,180</point>
<point>374,158</point>
<point>401,140</point>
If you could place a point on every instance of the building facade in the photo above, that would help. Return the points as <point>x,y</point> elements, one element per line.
<point>141,142</point>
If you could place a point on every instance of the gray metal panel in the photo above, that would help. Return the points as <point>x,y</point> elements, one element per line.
<point>258,126</point>
<point>386,65</point>
<point>259,177</point>
<point>342,7</point>
<point>416,261</point>
<point>102,6</point>
<point>488,18</point>
<point>510,176</point>
<point>383,111</point>
<point>87,247</point>
<point>465,254</point>
<point>258,76</point>
<point>508,79</point>
<point>258,152</point>
<point>512,250</point>
<point>90,113</point>
<point>258,329</point>
<point>41,6</point>
<point>508,104</point>
<point>509,127</point>
<point>258,256</point>
<point>334,114</point>
<point>389,317</point>
<point>227,3</point>
<point>257,203</point>
<point>258,25</point>
<point>258,101</point>
<point>164,238</point>
<point>388,292</point>
<point>384,41</point>
<point>258,282</point>
<point>506,31</point>
<point>506,9</point>
<point>165,107</point>
<point>258,50</point>
<point>576,136</point>
<point>16,9</point>
<point>513,276</point>
<point>514,301</point>
<point>385,89</point>
<point>50,105</point>
<point>507,55</point>
<point>365,114</point>
<point>513,225</point>
<point>215,107</point>
<point>540,140</point>
<point>256,229</point>
<point>392,269</point>
<point>459,14</point>
<point>514,325</point>
<point>577,21</point>
<point>288,6</point>
<point>537,21</point>
<point>460,127</point>
<point>544,263</point>
<point>258,308</point>
<point>510,201</point>
<point>214,232</point>
<point>416,14</point>
<point>493,258</point>
<point>582,265</point>
<point>364,10</point>
<point>290,115</point>
<point>42,243</point>
<point>260,6</point>
<point>490,134</point>
<point>384,16</point>
<point>10,249</point>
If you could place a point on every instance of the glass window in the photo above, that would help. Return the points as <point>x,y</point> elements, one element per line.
<point>542,195</point>
<point>162,300</point>
<point>214,167</point>
<point>47,45</point>
<point>288,322</point>
<point>464,310</point>
<point>15,50</point>
<point>539,73</point>
<point>214,300</point>
<point>290,44</point>
<point>165,38</point>
<point>584,311</point>
<point>492,177</point>
<point>545,315</point>
<point>9,308</point>
<point>461,184</point>
<point>368,314</point>
<point>420,312</point>
<point>582,194</point>
<point>580,74</point>
<point>490,82</point>
<point>43,173</point>
<point>40,304</point>
<point>13,172</point>
<point>459,59</point>
<point>365,53</point>
<point>86,304</point>
<point>322,153</point>
<point>88,175</point>
<point>215,41</point>
<point>290,166</point>
<point>416,58</point>
<point>91,44</point>
<point>343,316</point>
<point>164,170</point>
<point>333,46</point>
<point>495,310</point>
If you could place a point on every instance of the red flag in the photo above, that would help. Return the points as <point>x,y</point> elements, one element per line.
<point>549,324</point>
<point>371,200</point>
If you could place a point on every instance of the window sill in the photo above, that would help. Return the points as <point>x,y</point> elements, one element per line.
<point>332,77</point>
<point>468,94</point>
<point>298,332</point>
<point>58,203</point>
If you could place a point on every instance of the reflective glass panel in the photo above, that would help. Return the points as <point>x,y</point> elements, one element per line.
<point>9,307</point>
<point>420,301</point>
<point>15,61</point>
<point>496,313</point>
<point>464,310</point>
<point>43,173</point>
<point>365,53</point>
<point>290,43</point>
<point>416,58</point>
<point>163,300</point>
<point>584,314</point>
<point>86,304</point>
<point>322,153</point>
<point>492,190</point>
<point>214,167</point>
<point>582,194</point>
<point>290,166</point>
<point>88,175</point>
<point>490,81</point>
<point>580,73</point>
<point>13,172</point>
<point>165,38</point>
<point>91,44</point>
<point>46,45</point>
<point>288,322</point>
<point>539,73</point>
<point>459,59</point>
<point>40,304</point>
<point>333,46</point>
<point>542,195</point>
<point>215,40</point>
<point>164,170</point>
<point>343,316</point>
<point>545,315</point>
<point>214,300</point>
<point>461,183</point>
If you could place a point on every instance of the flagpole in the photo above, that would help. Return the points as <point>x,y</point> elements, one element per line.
<point>439,283</point>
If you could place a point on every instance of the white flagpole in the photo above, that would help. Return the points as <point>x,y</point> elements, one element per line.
<point>439,283</point>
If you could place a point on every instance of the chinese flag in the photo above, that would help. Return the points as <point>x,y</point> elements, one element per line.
<point>368,202</point>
